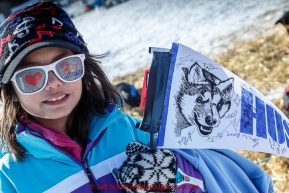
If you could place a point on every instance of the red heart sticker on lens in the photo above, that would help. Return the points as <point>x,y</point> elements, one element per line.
<point>33,79</point>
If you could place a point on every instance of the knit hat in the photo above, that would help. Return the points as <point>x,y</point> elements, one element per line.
<point>39,25</point>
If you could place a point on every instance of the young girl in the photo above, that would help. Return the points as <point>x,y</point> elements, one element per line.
<point>61,129</point>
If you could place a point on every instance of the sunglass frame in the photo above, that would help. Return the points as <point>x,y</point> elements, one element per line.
<point>46,69</point>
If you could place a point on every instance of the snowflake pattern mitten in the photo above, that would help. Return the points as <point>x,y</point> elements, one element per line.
<point>147,170</point>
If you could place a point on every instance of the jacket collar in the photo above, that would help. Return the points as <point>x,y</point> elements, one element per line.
<point>40,148</point>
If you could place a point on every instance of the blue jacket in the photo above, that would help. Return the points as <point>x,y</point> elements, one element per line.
<point>225,171</point>
<point>47,168</point>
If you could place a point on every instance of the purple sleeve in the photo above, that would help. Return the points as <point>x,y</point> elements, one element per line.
<point>189,179</point>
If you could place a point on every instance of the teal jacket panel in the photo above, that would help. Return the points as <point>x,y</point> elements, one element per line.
<point>47,168</point>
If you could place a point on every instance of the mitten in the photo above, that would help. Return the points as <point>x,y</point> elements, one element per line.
<point>147,170</point>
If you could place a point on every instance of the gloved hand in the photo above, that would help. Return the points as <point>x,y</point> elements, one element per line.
<point>147,170</point>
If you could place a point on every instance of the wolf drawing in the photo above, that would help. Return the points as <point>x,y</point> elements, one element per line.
<point>202,100</point>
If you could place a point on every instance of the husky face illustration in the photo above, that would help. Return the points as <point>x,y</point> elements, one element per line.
<point>202,100</point>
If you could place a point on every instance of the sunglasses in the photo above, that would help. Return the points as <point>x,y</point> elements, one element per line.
<point>32,80</point>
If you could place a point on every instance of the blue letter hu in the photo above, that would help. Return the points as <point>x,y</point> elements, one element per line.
<point>247,115</point>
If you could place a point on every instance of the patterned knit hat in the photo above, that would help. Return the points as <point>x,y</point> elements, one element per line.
<point>39,25</point>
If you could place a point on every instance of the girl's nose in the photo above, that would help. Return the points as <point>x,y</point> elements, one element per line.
<point>53,81</point>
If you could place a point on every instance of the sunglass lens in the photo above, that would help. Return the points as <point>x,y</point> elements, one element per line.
<point>70,69</point>
<point>30,80</point>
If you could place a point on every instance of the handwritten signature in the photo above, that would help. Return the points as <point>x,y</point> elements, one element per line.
<point>237,135</point>
<point>276,147</point>
<point>231,115</point>
<point>184,140</point>
<point>235,123</point>
<point>237,100</point>
<point>255,140</point>
<point>181,61</point>
<point>209,67</point>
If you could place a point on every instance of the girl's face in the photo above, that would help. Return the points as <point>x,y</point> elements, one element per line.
<point>58,98</point>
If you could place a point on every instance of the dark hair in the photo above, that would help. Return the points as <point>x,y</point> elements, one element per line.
<point>97,93</point>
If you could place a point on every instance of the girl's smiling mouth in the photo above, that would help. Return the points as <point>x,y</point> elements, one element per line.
<point>57,100</point>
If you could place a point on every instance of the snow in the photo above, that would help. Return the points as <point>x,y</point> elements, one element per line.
<point>130,28</point>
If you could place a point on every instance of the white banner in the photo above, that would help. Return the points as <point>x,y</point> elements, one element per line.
<point>207,106</point>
